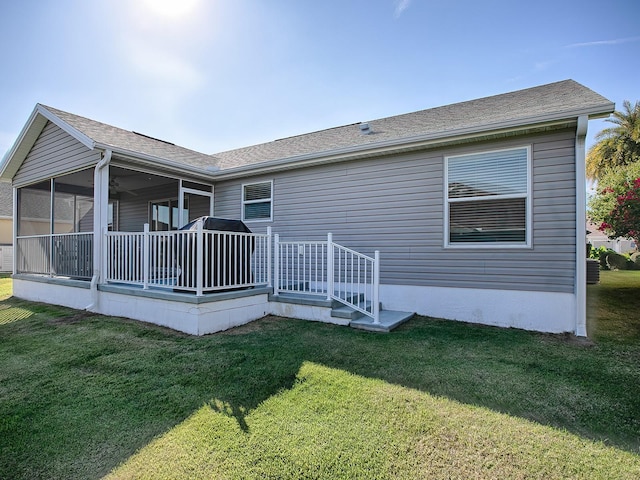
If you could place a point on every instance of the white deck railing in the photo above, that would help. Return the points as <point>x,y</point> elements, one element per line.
<point>61,254</point>
<point>193,260</point>
<point>328,269</point>
<point>301,267</point>
<point>356,280</point>
<point>206,261</point>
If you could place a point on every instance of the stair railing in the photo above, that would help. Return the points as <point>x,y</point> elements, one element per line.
<point>328,269</point>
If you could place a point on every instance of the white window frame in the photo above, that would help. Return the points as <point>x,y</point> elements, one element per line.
<point>261,200</point>
<point>528,204</point>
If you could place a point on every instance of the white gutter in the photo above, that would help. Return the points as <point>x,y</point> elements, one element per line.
<point>154,161</point>
<point>97,226</point>
<point>416,142</point>
<point>581,228</point>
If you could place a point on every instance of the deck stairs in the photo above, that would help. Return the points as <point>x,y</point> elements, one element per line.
<point>389,319</point>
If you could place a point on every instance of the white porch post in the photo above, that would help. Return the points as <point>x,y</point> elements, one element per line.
<point>181,220</point>
<point>105,259</point>
<point>146,257</point>
<point>100,214</point>
<point>199,259</point>
<point>376,288</point>
<point>52,228</point>
<point>15,230</point>
<point>330,278</point>
<point>276,264</point>
<point>269,282</point>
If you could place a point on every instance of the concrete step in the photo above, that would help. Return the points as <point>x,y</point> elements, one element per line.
<point>343,311</point>
<point>304,299</point>
<point>389,319</point>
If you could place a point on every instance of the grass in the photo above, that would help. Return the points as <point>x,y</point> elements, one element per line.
<point>85,396</point>
<point>614,307</point>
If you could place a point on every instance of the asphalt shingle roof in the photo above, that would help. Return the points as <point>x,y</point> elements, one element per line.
<point>123,139</point>
<point>564,96</point>
<point>515,108</point>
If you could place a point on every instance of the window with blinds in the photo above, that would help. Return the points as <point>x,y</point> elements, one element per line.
<point>257,201</point>
<point>488,198</point>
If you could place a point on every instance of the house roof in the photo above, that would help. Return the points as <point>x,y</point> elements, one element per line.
<point>539,106</point>
<point>546,103</point>
<point>102,136</point>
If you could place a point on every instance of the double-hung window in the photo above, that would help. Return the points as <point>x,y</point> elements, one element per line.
<point>488,199</point>
<point>257,201</point>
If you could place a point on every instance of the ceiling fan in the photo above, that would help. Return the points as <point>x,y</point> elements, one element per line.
<point>114,187</point>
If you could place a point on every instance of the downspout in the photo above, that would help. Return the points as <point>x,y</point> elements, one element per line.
<point>97,226</point>
<point>581,228</point>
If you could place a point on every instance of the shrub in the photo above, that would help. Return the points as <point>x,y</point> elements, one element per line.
<point>602,254</point>
<point>615,261</point>
<point>596,253</point>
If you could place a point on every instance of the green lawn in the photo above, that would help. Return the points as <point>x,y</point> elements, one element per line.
<point>85,396</point>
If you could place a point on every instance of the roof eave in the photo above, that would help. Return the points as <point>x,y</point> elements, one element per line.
<point>154,161</point>
<point>416,142</point>
<point>29,134</point>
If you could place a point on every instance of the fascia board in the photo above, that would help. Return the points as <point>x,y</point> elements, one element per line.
<point>411,143</point>
<point>153,161</point>
<point>28,136</point>
<point>74,132</point>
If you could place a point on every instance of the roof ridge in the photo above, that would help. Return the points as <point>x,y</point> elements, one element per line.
<point>406,114</point>
<point>523,105</point>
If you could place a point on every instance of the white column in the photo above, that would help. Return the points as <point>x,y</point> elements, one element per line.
<point>199,259</point>
<point>100,212</point>
<point>146,257</point>
<point>330,277</point>
<point>269,282</point>
<point>276,264</point>
<point>376,288</point>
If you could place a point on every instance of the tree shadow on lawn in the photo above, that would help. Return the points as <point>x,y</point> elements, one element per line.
<point>555,380</point>
<point>134,382</point>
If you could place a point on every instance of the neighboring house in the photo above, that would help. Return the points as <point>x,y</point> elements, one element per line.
<point>6,227</point>
<point>477,210</point>
<point>599,239</point>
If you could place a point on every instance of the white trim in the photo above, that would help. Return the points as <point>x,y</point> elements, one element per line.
<point>244,202</point>
<point>178,169</point>
<point>528,203</point>
<point>77,134</point>
<point>429,140</point>
<point>15,227</point>
<point>192,191</point>
<point>552,312</point>
<point>192,318</point>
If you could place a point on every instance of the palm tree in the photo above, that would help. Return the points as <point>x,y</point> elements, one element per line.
<point>616,146</point>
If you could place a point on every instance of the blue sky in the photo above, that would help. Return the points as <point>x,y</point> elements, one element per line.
<point>212,75</point>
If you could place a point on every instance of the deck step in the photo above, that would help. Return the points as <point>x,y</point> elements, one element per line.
<point>343,311</point>
<point>389,319</point>
<point>303,299</point>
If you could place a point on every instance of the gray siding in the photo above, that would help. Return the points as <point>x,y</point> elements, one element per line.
<point>55,152</point>
<point>396,205</point>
